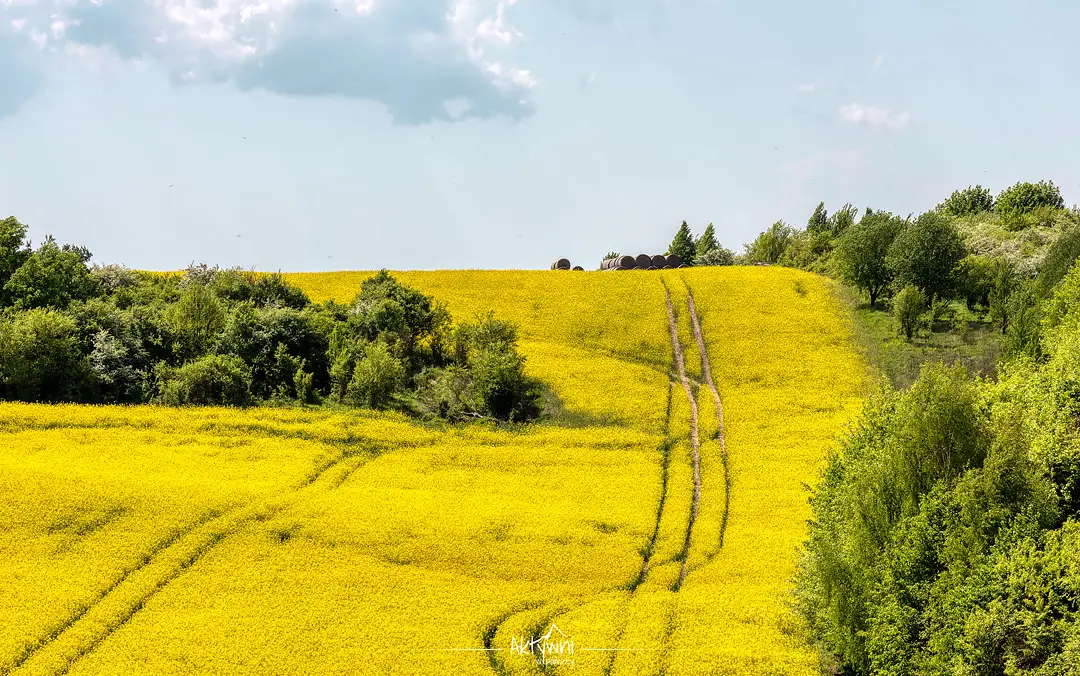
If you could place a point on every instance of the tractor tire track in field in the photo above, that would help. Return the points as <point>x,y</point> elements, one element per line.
<point>217,526</point>
<point>680,364</point>
<point>706,371</point>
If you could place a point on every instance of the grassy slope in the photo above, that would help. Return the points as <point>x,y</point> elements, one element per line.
<point>416,538</point>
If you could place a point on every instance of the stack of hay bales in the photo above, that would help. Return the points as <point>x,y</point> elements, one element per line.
<point>561,264</point>
<point>643,262</point>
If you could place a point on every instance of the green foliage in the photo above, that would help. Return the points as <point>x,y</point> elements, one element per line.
<point>611,254</point>
<point>14,248</point>
<point>968,202</point>
<point>221,379</point>
<point>926,254</point>
<point>117,367</point>
<point>52,277</point>
<point>194,321</point>
<point>975,280</point>
<point>861,253</point>
<point>842,219</point>
<point>717,256</point>
<point>683,245</point>
<point>819,220</point>
<point>706,243</point>
<point>909,306</point>
<point>1060,257</point>
<point>377,375</point>
<point>771,244</point>
<point>40,359</point>
<point>1026,198</point>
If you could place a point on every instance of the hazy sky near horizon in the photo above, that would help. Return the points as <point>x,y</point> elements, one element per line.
<point>418,134</point>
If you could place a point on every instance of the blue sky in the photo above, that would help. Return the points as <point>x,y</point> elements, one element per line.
<point>323,135</point>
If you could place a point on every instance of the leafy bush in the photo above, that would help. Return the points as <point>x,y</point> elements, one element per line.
<point>975,281</point>
<point>908,307</point>
<point>40,359</point>
<point>969,201</point>
<point>213,379</point>
<point>376,376</point>
<point>717,256</point>
<point>1026,198</point>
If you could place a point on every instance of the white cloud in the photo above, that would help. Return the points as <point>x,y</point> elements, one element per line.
<point>857,113</point>
<point>413,56</point>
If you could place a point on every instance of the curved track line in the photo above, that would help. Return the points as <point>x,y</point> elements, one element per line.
<point>706,371</point>
<point>680,364</point>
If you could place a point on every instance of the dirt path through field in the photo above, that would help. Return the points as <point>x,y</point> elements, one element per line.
<point>706,371</point>
<point>680,365</point>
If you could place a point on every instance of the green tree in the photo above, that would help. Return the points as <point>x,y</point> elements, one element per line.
<point>378,374</point>
<point>771,244</point>
<point>969,201</point>
<point>1025,198</point>
<point>52,276</point>
<point>14,248</point>
<point>706,243</point>
<point>842,219</point>
<point>683,244</point>
<point>819,220</point>
<point>195,321</point>
<point>861,253</point>
<point>909,306</point>
<point>926,254</point>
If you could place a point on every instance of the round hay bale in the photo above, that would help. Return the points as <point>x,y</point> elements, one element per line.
<point>643,261</point>
<point>626,261</point>
<point>562,264</point>
<point>659,261</point>
<point>651,267</point>
<point>684,265</point>
<point>668,267</point>
<point>619,267</point>
<point>577,267</point>
<point>673,260</point>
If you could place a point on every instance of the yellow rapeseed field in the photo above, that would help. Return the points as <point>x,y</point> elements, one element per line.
<point>147,540</point>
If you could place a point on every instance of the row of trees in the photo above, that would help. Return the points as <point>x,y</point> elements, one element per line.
<point>921,263</point>
<point>72,332</point>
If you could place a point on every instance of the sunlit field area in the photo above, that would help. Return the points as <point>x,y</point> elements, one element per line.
<point>649,526</point>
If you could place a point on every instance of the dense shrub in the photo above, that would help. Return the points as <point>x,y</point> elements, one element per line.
<point>213,379</point>
<point>909,307</point>
<point>968,202</point>
<point>716,256</point>
<point>770,245</point>
<point>376,376</point>
<point>40,358</point>
<point>1026,198</point>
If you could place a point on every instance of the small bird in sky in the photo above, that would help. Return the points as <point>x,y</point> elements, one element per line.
<point>171,185</point>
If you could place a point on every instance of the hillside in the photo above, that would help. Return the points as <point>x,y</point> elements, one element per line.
<point>319,541</point>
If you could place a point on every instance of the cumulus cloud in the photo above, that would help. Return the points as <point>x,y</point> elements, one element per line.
<point>413,56</point>
<point>878,118</point>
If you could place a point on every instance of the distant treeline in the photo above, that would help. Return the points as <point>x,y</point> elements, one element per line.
<point>78,333</point>
<point>945,536</point>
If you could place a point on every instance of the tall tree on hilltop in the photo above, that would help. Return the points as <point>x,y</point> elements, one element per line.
<point>862,253</point>
<point>683,245</point>
<point>707,242</point>
<point>819,221</point>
